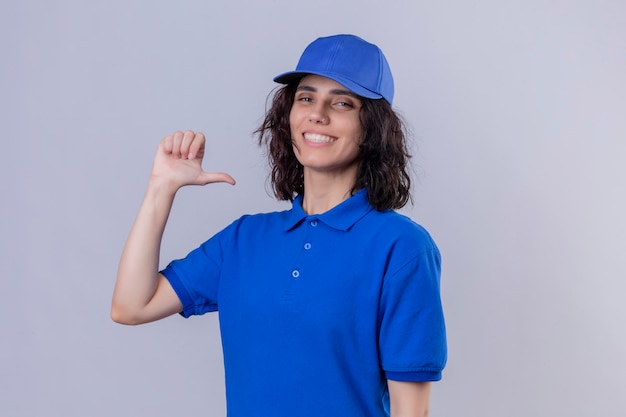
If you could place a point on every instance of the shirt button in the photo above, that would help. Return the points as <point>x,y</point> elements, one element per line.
<point>295,273</point>
<point>314,223</point>
<point>307,246</point>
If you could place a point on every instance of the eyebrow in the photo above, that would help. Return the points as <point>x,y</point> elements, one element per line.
<point>337,92</point>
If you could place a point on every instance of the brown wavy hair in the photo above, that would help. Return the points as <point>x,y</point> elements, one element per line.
<point>383,157</point>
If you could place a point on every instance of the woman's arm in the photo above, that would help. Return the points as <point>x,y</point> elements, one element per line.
<point>141,294</point>
<point>409,399</point>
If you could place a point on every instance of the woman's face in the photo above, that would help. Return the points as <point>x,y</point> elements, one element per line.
<point>325,126</point>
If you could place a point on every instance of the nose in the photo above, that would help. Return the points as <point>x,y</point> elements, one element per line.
<point>318,114</point>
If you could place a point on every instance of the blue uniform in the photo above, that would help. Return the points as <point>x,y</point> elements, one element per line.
<point>318,311</point>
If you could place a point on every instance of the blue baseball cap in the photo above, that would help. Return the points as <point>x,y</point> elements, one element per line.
<point>356,64</point>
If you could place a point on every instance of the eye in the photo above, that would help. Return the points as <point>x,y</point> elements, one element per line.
<point>344,104</point>
<point>304,98</point>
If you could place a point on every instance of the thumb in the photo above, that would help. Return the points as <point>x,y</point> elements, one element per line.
<point>211,177</point>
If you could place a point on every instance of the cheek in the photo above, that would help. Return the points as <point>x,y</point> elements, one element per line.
<point>357,132</point>
<point>293,128</point>
<point>292,122</point>
<point>357,125</point>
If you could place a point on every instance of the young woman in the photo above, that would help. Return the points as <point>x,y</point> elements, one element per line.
<point>331,308</point>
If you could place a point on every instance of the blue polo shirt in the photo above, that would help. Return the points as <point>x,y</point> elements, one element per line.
<point>318,311</point>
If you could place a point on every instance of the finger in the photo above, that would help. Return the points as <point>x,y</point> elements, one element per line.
<point>188,138</point>
<point>178,138</point>
<point>197,146</point>
<point>212,177</point>
<point>167,143</point>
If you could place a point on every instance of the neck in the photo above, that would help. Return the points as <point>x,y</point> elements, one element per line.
<point>323,191</point>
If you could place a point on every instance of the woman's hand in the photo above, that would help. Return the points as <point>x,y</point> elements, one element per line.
<point>178,162</point>
<point>141,294</point>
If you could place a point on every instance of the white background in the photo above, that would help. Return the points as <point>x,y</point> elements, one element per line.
<point>518,111</point>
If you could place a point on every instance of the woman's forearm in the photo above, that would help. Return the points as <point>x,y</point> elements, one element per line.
<point>137,276</point>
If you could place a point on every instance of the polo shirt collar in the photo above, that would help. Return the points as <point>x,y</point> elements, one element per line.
<point>341,217</point>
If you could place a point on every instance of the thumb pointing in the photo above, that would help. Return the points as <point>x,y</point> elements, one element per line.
<point>212,177</point>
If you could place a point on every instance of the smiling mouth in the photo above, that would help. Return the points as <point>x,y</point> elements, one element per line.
<point>317,138</point>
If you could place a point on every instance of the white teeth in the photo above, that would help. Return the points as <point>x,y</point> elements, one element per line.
<point>316,137</point>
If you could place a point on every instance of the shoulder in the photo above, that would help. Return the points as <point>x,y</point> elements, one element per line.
<point>258,223</point>
<point>413,256</point>
<point>392,226</point>
<point>396,240</point>
<point>274,218</point>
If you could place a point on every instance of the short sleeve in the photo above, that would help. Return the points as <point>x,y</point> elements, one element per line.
<point>412,338</point>
<point>195,278</point>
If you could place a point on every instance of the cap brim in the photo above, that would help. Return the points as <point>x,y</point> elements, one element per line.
<point>287,77</point>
